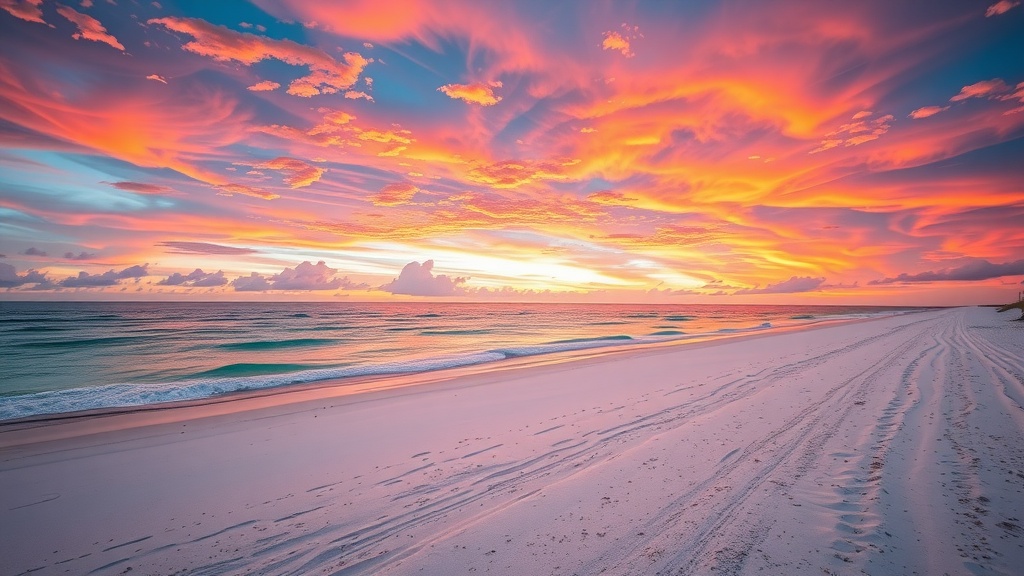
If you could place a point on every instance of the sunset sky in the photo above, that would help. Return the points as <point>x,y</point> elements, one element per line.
<point>694,152</point>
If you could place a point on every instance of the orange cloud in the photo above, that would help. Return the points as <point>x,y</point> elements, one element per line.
<point>357,94</point>
<point>89,28</point>
<point>28,10</point>
<point>621,42</point>
<point>157,78</point>
<point>981,89</point>
<point>512,173</point>
<point>264,86</point>
<point>482,94</point>
<point>231,189</point>
<point>615,41</point>
<point>1001,7</point>
<point>394,194</point>
<point>927,111</point>
<point>326,75</point>
<point>298,173</point>
<point>857,132</point>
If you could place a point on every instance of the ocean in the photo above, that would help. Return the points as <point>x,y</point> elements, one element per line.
<point>63,357</point>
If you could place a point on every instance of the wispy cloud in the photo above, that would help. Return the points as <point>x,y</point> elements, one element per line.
<point>189,247</point>
<point>89,28</point>
<point>791,286</point>
<point>479,93</point>
<point>28,10</point>
<point>982,89</point>
<point>1001,7</point>
<point>927,111</point>
<point>326,74</point>
<point>974,270</point>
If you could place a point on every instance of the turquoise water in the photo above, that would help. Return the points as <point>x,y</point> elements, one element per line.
<point>66,356</point>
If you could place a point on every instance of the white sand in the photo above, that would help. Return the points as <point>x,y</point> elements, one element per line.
<point>893,446</point>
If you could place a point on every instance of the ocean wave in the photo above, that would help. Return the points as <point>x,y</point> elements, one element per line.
<point>79,343</point>
<point>276,344</point>
<point>456,332</point>
<point>128,395</point>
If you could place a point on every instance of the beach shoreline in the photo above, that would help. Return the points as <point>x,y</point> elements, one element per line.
<point>687,458</point>
<point>244,400</point>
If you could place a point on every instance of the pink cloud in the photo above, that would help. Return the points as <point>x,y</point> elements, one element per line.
<point>418,280</point>
<point>305,276</point>
<point>982,89</point>
<point>356,94</point>
<point>861,130</point>
<point>1001,7</point>
<point>622,41</point>
<point>89,28</point>
<point>157,77</point>
<point>28,10</point>
<point>927,111</point>
<point>230,189</point>
<point>615,41</point>
<point>394,194</point>
<point>791,286</point>
<point>298,173</point>
<point>479,93</point>
<point>140,187</point>
<point>326,75</point>
<point>264,86</point>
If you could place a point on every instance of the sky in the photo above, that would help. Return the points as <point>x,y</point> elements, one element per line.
<point>829,152</point>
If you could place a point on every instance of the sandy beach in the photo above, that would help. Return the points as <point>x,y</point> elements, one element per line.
<point>889,446</point>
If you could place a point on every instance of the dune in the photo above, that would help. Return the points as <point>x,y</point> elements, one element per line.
<point>886,446</point>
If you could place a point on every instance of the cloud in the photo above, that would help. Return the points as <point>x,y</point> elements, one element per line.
<point>622,41</point>
<point>394,194</point>
<point>927,111</point>
<point>9,277</point>
<point>264,86</point>
<point>297,173</point>
<point>357,94</point>
<point>108,278</point>
<point>140,187</point>
<point>204,248</point>
<point>479,93</point>
<point>417,280</point>
<point>515,173</point>
<point>615,41</point>
<point>25,9</point>
<point>1018,95</point>
<point>857,132</point>
<point>326,75</point>
<point>1001,7</point>
<point>156,77</point>
<point>89,28</point>
<point>232,189</point>
<point>611,198</point>
<point>196,279</point>
<point>985,88</point>
<point>793,285</point>
<point>33,251</point>
<point>305,276</point>
<point>80,256</point>
<point>978,269</point>
<point>252,283</point>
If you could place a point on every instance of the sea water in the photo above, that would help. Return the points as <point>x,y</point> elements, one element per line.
<point>61,357</point>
